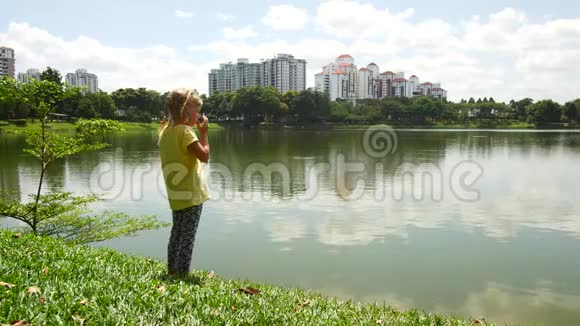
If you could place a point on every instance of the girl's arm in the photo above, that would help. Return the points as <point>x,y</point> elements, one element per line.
<point>200,149</point>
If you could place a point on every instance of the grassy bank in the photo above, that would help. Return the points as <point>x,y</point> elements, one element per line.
<point>69,127</point>
<point>46,281</point>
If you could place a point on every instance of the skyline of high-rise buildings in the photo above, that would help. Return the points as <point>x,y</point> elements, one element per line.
<point>284,72</point>
<point>25,77</point>
<point>82,78</point>
<point>343,80</point>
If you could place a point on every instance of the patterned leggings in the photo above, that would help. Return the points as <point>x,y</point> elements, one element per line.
<point>180,245</point>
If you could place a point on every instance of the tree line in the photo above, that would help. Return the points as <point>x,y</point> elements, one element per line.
<point>256,104</point>
<point>127,104</point>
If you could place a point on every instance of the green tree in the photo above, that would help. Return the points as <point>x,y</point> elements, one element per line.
<point>491,100</point>
<point>571,111</point>
<point>139,104</point>
<point>256,102</point>
<point>64,215</point>
<point>51,75</point>
<point>521,108</point>
<point>87,107</point>
<point>11,105</point>
<point>305,105</point>
<point>471,100</point>
<point>545,111</point>
<point>392,109</point>
<point>339,110</point>
<point>219,105</point>
<point>105,105</point>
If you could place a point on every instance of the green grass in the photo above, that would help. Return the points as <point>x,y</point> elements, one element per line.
<point>102,286</point>
<point>70,127</point>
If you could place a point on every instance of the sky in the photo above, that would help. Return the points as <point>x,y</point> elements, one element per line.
<point>501,49</point>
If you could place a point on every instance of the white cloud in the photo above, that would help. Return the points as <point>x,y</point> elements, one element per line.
<point>241,33</point>
<point>157,67</point>
<point>350,19</point>
<point>224,17</point>
<point>504,55</point>
<point>183,14</point>
<point>285,18</point>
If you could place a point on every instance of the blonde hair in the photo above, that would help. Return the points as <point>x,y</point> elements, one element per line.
<point>179,104</point>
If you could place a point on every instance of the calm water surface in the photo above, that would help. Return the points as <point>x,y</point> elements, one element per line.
<point>401,229</point>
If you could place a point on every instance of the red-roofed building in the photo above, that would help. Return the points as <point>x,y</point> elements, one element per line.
<point>439,93</point>
<point>345,58</point>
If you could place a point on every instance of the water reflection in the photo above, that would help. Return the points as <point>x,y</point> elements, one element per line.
<point>506,256</point>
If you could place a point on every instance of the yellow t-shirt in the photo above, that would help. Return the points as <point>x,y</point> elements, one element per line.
<point>181,169</point>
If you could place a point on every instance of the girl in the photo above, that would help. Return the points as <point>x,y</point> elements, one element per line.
<point>181,152</point>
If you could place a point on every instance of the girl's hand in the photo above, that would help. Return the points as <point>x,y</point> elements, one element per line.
<point>204,125</point>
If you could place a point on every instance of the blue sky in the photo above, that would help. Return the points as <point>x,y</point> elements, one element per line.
<point>492,48</point>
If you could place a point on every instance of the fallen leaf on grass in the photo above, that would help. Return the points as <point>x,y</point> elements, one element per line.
<point>476,322</point>
<point>33,290</point>
<point>45,270</point>
<point>84,302</point>
<point>6,285</point>
<point>42,300</point>
<point>149,261</point>
<point>210,275</point>
<point>379,321</point>
<point>234,308</point>
<point>302,305</point>
<point>160,288</point>
<point>19,323</point>
<point>78,319</point>
<point>250,290</point>
<point>16,236</point>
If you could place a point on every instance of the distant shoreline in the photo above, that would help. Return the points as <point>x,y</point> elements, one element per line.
<point>435,126</point>
<point>136,126</point>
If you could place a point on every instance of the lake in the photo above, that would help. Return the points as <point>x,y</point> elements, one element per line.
<point>468,223</point>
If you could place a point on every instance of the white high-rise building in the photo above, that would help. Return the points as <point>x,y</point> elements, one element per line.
<point>7,62</point>
<point>284,72</point>
<point>82,78</point>
<point>413,86</point>
<point>365,83</point>
<point>386,79</point>
<point>25,77</point>
<point>342,80</point>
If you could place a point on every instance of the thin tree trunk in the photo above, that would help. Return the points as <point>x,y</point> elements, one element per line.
<point>42,152</point>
